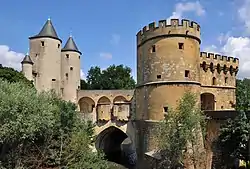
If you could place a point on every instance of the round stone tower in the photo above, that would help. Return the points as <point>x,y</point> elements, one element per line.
<point>45,52</point>
<point>70,70</point>
<point>167,65</point>
<point>27,67</point>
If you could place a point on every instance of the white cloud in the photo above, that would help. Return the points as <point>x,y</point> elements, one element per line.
<point>239,47</point>
<point>211,49</point>
<point>115,40</point>
<point>83,76</point>
<point>183,7</point>
<point>106,55</point>
<point>223,37</point>
<point>244,13</point>
<point>235,47</point>
<point>10,58</point>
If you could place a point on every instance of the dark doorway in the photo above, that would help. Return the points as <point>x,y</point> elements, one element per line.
<point>207,101</point>
<point>109,141</point>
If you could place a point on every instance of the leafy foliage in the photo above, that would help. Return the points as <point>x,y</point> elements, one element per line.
<point>114,77</point>
<point>234,138</point>
<point>174,134</point>
<point>234,135</point>
<point>43,131</point>
<point>11,75</point>
<point>243,94</point>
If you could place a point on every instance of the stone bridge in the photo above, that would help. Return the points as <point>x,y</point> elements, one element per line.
<point>110,110</point>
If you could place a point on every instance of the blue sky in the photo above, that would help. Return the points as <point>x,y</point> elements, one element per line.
<point>105,31</point>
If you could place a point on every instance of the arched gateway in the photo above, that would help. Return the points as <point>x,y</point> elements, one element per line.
<point>207,101</point>
<point>111,141</point>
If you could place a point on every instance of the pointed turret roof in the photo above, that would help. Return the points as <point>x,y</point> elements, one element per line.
<point>48,31</point>
<point>27,59</point>
<point>70,46</point>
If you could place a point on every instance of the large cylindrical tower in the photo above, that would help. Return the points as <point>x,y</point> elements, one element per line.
<point>45,52</point>
<point>71,77</point>
<point>167,65</point>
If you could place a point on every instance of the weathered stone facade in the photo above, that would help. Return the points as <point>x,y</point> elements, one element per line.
<point>169,62</point>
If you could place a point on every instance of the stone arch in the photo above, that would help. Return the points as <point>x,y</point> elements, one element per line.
<point>120,99</point>
<point>86,105</point>
<point>121,109</point>
<point>207,101</point>
<point>103,100</point>
<point>103,109</point>
<point>109,141</point>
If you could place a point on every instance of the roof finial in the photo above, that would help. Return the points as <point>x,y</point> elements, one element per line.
<point>70,33</point>
<point>49,18</point>
<point>27,53</point>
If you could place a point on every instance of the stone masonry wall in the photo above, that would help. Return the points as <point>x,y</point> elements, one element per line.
<point>46,55</point>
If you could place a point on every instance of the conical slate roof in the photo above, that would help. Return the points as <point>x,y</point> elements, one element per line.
<point>48,31</point>
<point>27,59</point>
<point>70,46</point>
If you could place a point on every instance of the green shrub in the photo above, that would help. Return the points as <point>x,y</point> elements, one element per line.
<point>43,131</point>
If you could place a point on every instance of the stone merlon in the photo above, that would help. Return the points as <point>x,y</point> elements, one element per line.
<point>219,59</point>
<point>183,28</point>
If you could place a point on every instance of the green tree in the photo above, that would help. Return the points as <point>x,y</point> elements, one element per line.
<point>12,75</point>
<point>234,135</point>
<point>234,139</point>
<point>43,131</point>
<point>114,77</point>
<point>182,131</point>
<point>117,77</point>
<point>243,94</point>
<point>84,85</point>
<point>94,78</point>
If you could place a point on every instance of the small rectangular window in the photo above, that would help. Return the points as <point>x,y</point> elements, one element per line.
<point>226,79</point>
<point>58,45</point>
<point>181,45</point>
<point>187,73</point>
<point>62,91</point>
<point>165,109</point>
<point>71,68</point>
<point>53,80</point>
<point>42,43</point>
<point>67,56</point>
<point>158,76</point>
<point>153,49</point>
<point>214,81</point>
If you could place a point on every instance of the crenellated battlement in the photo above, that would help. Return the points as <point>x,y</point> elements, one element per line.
<point>219,62</point>
<point>218,58</point>
<point>184,27</point>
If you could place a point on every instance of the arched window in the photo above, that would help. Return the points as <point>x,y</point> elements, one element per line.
<point>214,81</point>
